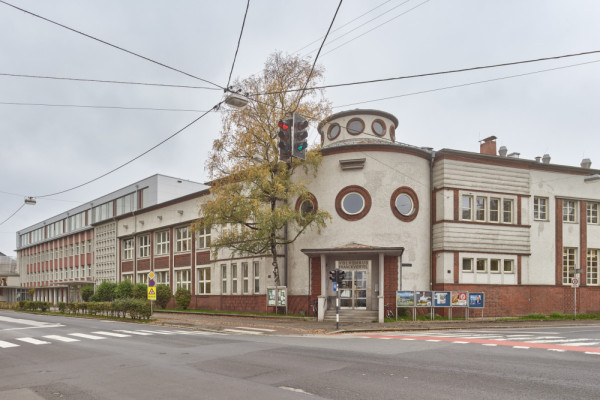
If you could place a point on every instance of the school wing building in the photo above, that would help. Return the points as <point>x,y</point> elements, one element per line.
<point>403,218</point>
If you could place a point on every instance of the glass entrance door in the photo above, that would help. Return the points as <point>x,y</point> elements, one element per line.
<point>354,292</point>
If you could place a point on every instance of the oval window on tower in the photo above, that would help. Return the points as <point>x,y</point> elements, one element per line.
<point>404,204</point>
<point>378,127</point>
<point>355,126</point>
<point>352,203</point>
<point>333,131</point>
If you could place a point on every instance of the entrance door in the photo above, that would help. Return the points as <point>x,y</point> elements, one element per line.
<point>354,292</point>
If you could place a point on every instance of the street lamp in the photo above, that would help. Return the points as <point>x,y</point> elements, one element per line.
<point>236,100</point>
<point>30,201</point>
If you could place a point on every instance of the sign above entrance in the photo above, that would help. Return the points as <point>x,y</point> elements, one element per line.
<point>353,264</point>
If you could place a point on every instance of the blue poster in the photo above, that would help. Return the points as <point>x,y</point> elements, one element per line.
<point>441,299</point>
<point>476,300</point>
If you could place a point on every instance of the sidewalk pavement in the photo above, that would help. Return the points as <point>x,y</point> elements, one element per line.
<point>282,325</point>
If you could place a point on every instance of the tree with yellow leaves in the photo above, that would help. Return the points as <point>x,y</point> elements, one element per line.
<point>250,206</point>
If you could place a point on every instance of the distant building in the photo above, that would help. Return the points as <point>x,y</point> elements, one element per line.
<point>10,284</point>
<point>404,218</point>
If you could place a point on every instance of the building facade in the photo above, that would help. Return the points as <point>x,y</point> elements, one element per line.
<point>403,218</point>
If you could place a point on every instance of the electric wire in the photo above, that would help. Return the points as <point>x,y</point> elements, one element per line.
<point>361,25</point>
<point>99,107</point>
<point>238,44</point>
<point>454,71</point>
<point>377,27</point>
<point>317,56</point>
<point>107,81</point>
<point>13,214</point>
<point>109,44</point>
<point>348,23</point>
<point>133,159</point>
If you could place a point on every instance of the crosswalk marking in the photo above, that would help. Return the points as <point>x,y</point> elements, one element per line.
<point>134,332</point>
<point>241,331</point>
<point>157,332</point>
<point>113,334</point>
<point>256,329</point>
<point>32,340</point>
<point>6,345</point>
<point>86,336</point>
<point>61,338</point>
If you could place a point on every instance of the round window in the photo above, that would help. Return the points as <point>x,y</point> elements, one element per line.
<point>378,127</point>
<point>307,207</point>
<point>404,204</point>
<point>353,203</point>
<point>355,126</point>
<point>333,131</point>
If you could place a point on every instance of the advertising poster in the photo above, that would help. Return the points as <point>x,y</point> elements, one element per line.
<point>459,299</point>
<point>405,299</point>
<point>441,299</point>
<point>271,297</point>
<point>281,298</point>
<point>476,300</point>
<point>423,299</point>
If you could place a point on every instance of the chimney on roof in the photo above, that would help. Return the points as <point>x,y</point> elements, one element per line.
<point>503,150</point>
<point>538,159</point>
<point>488,146</point>
<point>514,155</point>
<point>586,163</point>
<point>546,159</point>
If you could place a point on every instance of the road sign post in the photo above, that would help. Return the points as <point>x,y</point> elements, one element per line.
<point>151,289</point>
<point>574,285</point>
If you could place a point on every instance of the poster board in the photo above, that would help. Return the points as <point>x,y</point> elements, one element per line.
<point>424,299</point>
<point>442,299</point>
<point>405,298</point>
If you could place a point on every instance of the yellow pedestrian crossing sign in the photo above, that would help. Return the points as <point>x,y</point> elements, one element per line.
<point>151,293</point>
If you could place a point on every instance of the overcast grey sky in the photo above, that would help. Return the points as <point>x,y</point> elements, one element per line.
<point>46,149</point>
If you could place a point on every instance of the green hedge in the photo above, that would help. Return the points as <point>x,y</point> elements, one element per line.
<point>134,308</point>
<point>28,305</point>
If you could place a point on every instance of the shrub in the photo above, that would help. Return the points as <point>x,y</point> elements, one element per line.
<point>124,290</point>
<point>163,295</point>
<point>62,307</point>
<point>105,291</point>
<point>140,291</point>
<point>87,292</point>
<point>183,298</point>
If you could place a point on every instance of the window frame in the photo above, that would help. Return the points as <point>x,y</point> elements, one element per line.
<point>466,210</point>
<point>483,262</point>
<point>509,262</point>
<point>234,278</point>
<point>463,264</point>
<point>224,279</point>
<point>569,211</point>
<point>593,263</point>
<point>203,235</point>
<point>179,281</point>
<point>540,208</point>
<point>203,280</point>
<point>591,211</point>
<point>162,243</point>
<point>495,270</point>
<point>144,246</point>
<point>480,211</point>
<point>128,246</point>
<point>245,278</point>
<point>183,240</point>
<point>256,269</point>
<point>569,264</point>
<point>509,212</point>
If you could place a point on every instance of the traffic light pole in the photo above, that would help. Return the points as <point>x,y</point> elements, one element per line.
<point>337,307</point>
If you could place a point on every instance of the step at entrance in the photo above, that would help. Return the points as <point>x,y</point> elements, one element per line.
<point>352,315</point>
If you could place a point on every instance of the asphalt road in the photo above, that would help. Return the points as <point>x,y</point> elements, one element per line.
<point>48,357</point>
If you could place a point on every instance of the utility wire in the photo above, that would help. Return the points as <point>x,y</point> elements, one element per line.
<point>238,44</point>
<point>466,84</point>
<point>13,214</point>
<point>105,81</point>
<point>99,107</point>
<point>365,23</point>
<point>109,44</point>
<point>348,23</point>
<point>317,56</point>
<point>435,73</point>
<point>133,159</point>
<point>378,26</point>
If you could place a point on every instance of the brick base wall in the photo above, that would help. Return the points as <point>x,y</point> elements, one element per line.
<point>390,279</point>
<point>514,301</point>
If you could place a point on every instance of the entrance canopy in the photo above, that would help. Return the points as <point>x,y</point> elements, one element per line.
<point>355,248</point>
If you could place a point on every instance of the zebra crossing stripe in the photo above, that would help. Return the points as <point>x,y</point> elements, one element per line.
<point>86,336</point>
<point>134,332</point>
<point>113,334</point>
<point>61,338</point>
<point>32,340</point>
<point>6,345</point>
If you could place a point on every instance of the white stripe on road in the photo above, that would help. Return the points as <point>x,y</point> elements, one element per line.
<point>113,334</point>
<point>582,344</point>
<point>489,344</point>
<point>158,332</point>
<point>520,347</point>
<point>5,345</point>
<point>61,338</point>
<point>28,322</point>
<point>134,332</point>
<point>86,336</point>
<point>241,331</point>
<point>256,329</point>
<point>32,340</point>
<point>461,342</point>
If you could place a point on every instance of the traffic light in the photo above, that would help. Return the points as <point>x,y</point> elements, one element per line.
<point>300,137</point>
<point>333,275</point>
<point>340,277</point>
<point>285,138</point>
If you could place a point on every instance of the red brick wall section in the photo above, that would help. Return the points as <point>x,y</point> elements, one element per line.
<point>127,266</point>
<point>315,276</point>
<point>558,241</point>
<point>456,204</point>
<point>456,267</point>
<point>513,300</point>
<point>390,279</point>
<point>582,241</point>
<point>203,258</point>
<point>143,265</point>
<point>161,262</point>
<point>182,260</point>
<point>255,303</point>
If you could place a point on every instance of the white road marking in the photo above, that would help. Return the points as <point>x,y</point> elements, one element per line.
<point>489,344</point>
<point>6,345</point>
<point>557,340</point>
<point>28,322</point>
<point>113,334</point>
<point>592,352</point>
<point>256,329</point>
<point>582,344</point>
<point>61,338</point>
<point>241,331</point>
<point>86,336</point>
<point>461,342</point>
<point>432,340</point>
<point>32,340</point>
<point>134,332</point>
<point>157,332</point>
<point>520,347</point>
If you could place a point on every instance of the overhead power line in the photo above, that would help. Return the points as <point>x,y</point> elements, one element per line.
<point>454,71</point>
<point>238,44</point>
<point>107,81</point>
<point>109,44</point>
<point>13,214</point>
<point>99,107</point>
<point>133,159</point>
<point>317,56</point>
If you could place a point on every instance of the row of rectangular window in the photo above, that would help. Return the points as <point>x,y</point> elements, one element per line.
<point>569,210</point>
<point>480,265</point>
<point>60,274</point>
<point>487,209</point>
<point>230,282</point>
<point>183,240</point>
<point>570,265</point>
